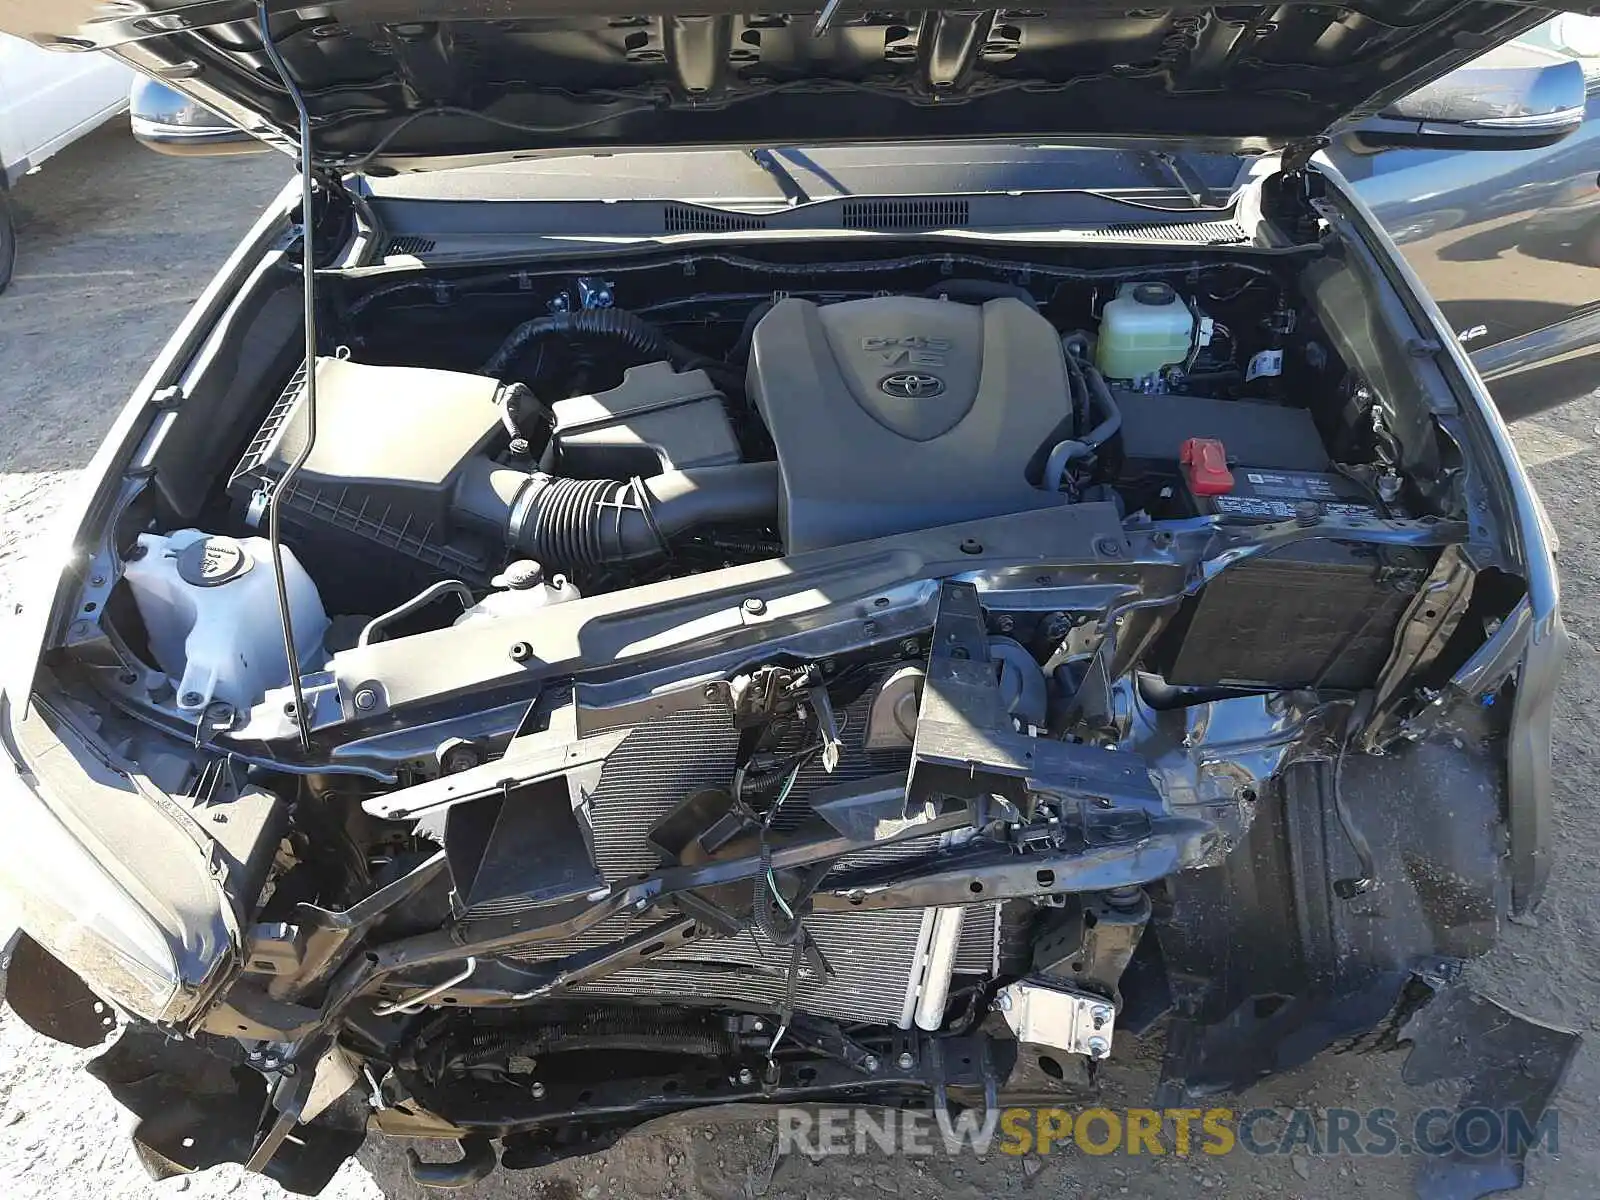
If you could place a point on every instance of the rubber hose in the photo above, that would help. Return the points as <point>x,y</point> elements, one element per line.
<point>1063,453</point>
<point>1110,414</point>
<point>1076,383</point>
<point>596,522</point>
<point>615,324</point>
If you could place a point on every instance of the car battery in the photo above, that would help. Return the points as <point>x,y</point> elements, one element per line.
<point>1317,613</point>
<point>1266,495</point>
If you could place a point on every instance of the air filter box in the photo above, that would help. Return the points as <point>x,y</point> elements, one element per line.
<point>655,420</point>
<point>392,444</point>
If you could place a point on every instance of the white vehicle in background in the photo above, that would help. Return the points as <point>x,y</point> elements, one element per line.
<point>47,101</point>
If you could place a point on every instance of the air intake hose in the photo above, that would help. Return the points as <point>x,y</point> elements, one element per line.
<point>596,522</point>
<point>613,324</point>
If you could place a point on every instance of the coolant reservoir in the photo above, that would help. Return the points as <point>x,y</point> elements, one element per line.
<point>210,609</point>
<point>1145,329</point>
<point>523,588</point>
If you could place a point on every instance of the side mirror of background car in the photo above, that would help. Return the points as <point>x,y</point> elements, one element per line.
<point>168,122</point>
<point>1514,98</point>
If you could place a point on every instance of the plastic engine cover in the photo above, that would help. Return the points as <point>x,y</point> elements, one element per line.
<point>901,413</point>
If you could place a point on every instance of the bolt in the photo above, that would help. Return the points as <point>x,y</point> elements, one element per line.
<point>1098,1047</point>
<point>906,1060</point>
<point>754,605</point>
<point>909,647</point>
<point>98,581</point>
<point>536,1089</point>
<point>288,709</point>
<point>1125,898</point>
<point>366,698</point>
<point>1100,1014</point>
<point>1004,623</point>
<point>870,1062</point>
<point>1108,547</point>
<point>521,652</point>
<point>520,447</point>
<point>746,1076</point>
<point>1307,513</point>
<point>457,754</point>
<point>1056,626</point>
<point>759,1027</point>
<point>869,627</point>
<point>1003,1001</point>
<point>127,678</point>
<point>190,699</point>
<point>1161,540</point>
<point>710,692</point>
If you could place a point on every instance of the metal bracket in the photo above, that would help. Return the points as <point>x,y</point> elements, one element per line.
<point>1072,1022</point>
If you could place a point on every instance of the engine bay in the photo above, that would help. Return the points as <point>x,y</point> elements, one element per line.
<point>801,667</point>
<point>617,447</point>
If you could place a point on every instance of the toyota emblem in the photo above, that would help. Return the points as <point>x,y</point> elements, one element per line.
<point>907,385</point>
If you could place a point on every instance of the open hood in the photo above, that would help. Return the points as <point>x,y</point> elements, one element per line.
<point>409,84</point>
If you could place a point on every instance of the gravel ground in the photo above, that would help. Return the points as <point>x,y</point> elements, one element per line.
<point>116,241</point>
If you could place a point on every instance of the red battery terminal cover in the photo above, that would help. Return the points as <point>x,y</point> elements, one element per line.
<point>1205,463</point>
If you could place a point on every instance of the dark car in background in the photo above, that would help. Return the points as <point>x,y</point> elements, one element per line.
<point>1507,243</point>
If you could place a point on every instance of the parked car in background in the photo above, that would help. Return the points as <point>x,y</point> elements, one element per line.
<point>163,119</point>
<point>47,101</point>
<point>1507,243</point>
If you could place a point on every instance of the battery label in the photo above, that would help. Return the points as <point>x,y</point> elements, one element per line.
<point>1274,495</point>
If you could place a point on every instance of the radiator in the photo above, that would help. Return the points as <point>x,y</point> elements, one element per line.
<point>877,958</point>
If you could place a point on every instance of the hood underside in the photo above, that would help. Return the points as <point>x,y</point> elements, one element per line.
<point>395,85</point>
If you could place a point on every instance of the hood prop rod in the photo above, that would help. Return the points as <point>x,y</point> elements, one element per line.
<point>308,272</point>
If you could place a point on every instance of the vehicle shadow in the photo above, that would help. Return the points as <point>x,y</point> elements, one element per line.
<point>1574,246</point>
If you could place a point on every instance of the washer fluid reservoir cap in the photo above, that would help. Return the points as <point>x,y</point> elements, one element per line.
<point>1154,293</point>
<point>213,561</point>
